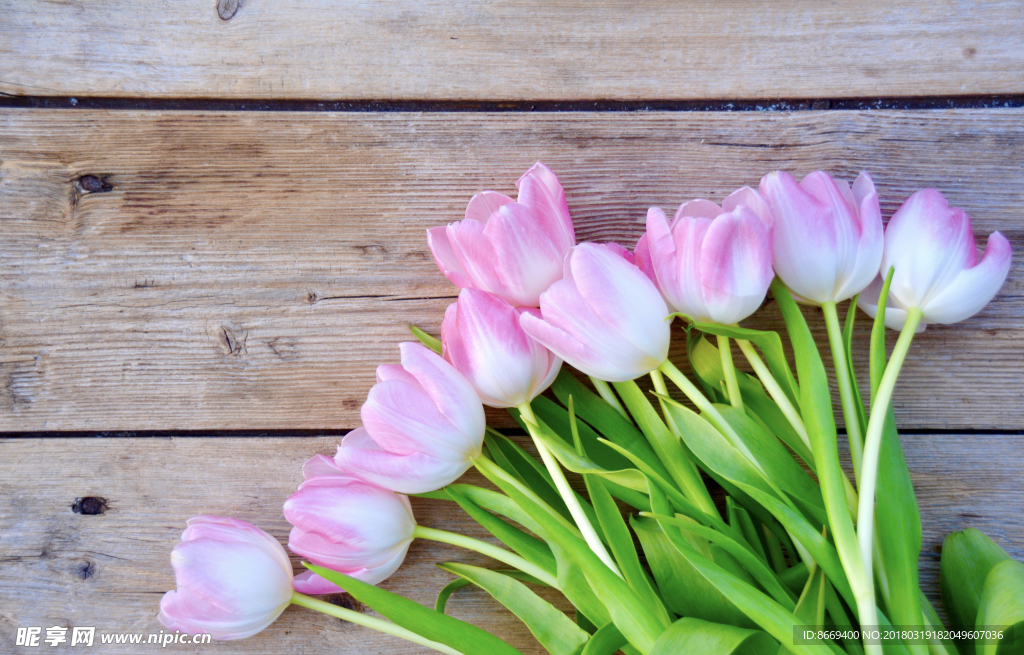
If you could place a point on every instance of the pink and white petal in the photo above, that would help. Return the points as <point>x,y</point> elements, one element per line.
<point>688,236</point>
<point>473,251</point>
<point>311,584</point>
<point>403,419</point>
<point>803,238</point>
<point>407,474</point>
<point>642,255</point>
<point>623,298</point>
<point>321,465</point>
<point>974,287</point>
<point>554,186</point>
<point>181,610</point>
<point>550,211</point>
<point>895,313</point>
<point>582,356</point>
<point>526,260</point>
<point>750,199</point>
<point>482,205</point>
<point>698,208</point>
<point>451,392</point>
<point>445,258</point>
<point>735,265</point>
<point>395,372</point>
<point>231,530</point>
<point>872,241</point>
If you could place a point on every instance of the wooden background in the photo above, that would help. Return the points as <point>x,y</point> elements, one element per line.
<point>212,222</point>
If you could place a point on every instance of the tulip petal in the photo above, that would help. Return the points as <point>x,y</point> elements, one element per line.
<point>403,419</point>
<point>311,584</point>
<point>735,266</point>
<point>542,193</point>
<point>698,208</point>
<point>974,287</point>
<point>525,256</point>
<point>895,315</point>
<point>482,205</point>
<point>750,199</point>
<point>452,394</point>
<point>870,248</point>
<point>445,258</point>
<point>579,354</point>
<point>408,474</point>
<point>181,610</point>
<point>319,466</point>
<point>676,255</point>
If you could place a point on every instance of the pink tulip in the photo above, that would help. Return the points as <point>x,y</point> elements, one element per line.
<point>482,338</point>
<point>604,317</point>
<point>710,264</point>
<point>424,426</point>
<point>513,249</point>
<point>233,579</point>
<point>346,525</point>
<point>931,247</point>
<point>827,237</point>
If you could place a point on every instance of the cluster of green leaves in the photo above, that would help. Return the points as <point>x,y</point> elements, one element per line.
<point>776,553</point>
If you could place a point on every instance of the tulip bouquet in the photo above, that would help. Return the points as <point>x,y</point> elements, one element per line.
<point>789,554</point>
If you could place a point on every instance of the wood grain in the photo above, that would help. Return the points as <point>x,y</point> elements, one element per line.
<point>109,570</point>
<point>199,271</point>
<point>511,51</point>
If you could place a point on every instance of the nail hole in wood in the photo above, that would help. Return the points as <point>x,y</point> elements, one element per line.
<point>227,9</point>
<point>87,184</point>
<point>89,506</point>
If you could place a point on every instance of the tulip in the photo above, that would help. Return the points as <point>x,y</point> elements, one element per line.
<point>932,249</point>
<point>347,525</point>
<point>482,339</point>
<point>513,249</point>
<point>710,264</point>
<point>827,237</point>
<point>424,426</point>
<point>233,579</point>
<point>605,317</point>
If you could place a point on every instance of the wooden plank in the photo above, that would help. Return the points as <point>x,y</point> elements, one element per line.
<point>179,270</point>
<point>109,570</point>
<point>532,50</point>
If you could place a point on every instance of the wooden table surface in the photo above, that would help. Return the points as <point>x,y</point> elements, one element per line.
<point>212,229</point>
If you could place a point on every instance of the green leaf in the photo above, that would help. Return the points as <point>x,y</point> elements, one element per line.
<point>899,544</point>
<point>604,418</point>
<point>532,549</point>
<point>816,410</point>
<point>427,340</point>
<point>967,558</point>
<point>1002,604</point>
<point>810,609</point>
<point>553,629</point>
<point>770,344</point>
<point>461,636</point>
<point>752,564</point>
<point>441,602</point>
<point>621,543</point>
<point>495,502</point>
<point>512,458</point>
<point>685,590</point>
<point>624,606</point>
<point>606,641</point>
<point>665,444</point>
<point>628,477</point>
<point>762,610</point>
<point>557,418</point>
<point>690,635</point>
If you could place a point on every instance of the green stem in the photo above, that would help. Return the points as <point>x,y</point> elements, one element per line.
<point>566,492</point>
<point>368,622</point>
<point>605,390</point>
<point>729,370</point>
<point>873,440</point>
<point>775,391</point>
<point>846,390</point>
<point>693,485</point>
<point>484,548</point>
<point>707,408</point>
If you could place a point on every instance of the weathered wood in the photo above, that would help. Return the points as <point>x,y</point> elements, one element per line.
<point>109,570</point>
<point>533,50</point>
<point>179,270</point>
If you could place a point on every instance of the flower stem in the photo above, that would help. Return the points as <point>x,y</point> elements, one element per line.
<point>371,622</point>
<point>484,548</point>
<point>693,485</point>
<point>731,384</point>
<point>776,392</point>
<point>846,390</point>
<point>707,408</point>
<point>873,440</point>
<point>605,390</point>
<point>566,492</point>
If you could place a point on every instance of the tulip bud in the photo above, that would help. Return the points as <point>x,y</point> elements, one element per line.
<point>482,338</point>
<point>932,249</point>
<point>513,249</point>
<point>424,426</point>
<point>605,317</point>
<point>233,580</point>
<point>827,237</point>
<point>710,264</point>
<point>347,525</point>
